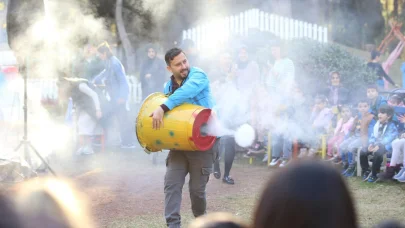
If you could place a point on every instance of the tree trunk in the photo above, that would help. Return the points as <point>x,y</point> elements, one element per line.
<point>129,52</point>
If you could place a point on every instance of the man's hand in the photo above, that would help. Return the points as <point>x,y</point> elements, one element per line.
<point>157,117</point>
<point>148,75</point>
<point>373,148</point>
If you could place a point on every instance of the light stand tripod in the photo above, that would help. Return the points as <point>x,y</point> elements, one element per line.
<point>25,142</point>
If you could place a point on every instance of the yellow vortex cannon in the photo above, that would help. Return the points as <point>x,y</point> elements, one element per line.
<point>182,127</point>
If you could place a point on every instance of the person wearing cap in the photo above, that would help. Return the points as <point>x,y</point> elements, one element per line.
<point>376,66</point>
<point>186,85</point>
<point>152,72</point>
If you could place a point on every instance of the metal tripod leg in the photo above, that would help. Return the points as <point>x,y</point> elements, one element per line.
<point>26,157</point>
<point>42,159</point>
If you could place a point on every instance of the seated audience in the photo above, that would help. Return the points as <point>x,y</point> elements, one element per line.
<point>359,134</point>
<point>292,200</point>
<point>396,101</point>
<point>336,93</point>
<point>375,100</point>
<point>321,117</point>
<point>384,133</point>
<point>342,129</point>
<point>398,152</point>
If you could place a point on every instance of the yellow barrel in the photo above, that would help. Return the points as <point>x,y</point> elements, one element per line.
<point>181,130</point>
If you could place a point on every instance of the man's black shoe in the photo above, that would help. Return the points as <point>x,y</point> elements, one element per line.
<point>217,175</point>
<point>228,180</point>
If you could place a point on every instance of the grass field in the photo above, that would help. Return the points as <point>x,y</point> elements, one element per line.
<point>136,200</point>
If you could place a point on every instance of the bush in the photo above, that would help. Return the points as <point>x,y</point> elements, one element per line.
<point>314,61</point>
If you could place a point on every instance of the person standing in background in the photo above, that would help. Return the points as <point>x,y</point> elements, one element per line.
<point>93,64</point>
<point>117,88</point>
<point>223,88</point>
<point>153,72</point>
<point>376,66</point>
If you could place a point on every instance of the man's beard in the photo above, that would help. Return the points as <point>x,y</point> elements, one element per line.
<point>186,71</point>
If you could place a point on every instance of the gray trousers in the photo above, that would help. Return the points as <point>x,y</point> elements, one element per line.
<point>350,145</point>
<point>180,163</point>
<point>280,144</point>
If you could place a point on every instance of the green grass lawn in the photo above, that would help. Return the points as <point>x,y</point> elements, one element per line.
<point>374,203</point>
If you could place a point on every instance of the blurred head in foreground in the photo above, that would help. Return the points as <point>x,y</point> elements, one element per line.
<point>307,194</point>
<point>51,203</point>
<point>9,216</point>
<point>218,220</point>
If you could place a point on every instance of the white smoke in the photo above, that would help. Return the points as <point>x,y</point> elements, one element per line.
<point>48,48</point>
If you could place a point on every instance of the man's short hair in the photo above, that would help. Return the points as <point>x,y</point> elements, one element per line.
<point>387,110</point>
<point>171,54</point>
<point>372,86</point>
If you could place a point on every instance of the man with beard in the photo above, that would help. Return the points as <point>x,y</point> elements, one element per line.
<point>187,85</point>
<point>152,73</point>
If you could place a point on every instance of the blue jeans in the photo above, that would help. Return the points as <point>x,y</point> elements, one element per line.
<point>280,144</point>
<point>348,147</point>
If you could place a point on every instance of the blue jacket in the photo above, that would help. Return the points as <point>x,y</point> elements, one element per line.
<point>390,133</point>
<point>378,103</point>
<point>115,79</point>
<point>195,90</point>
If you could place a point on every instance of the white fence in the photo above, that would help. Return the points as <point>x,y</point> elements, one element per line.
<point>219,30</point>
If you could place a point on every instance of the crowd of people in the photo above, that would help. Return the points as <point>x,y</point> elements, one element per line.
<point>370,125</point>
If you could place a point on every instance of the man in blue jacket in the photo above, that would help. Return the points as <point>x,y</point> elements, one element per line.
<point>187,85</point>
<point>117,88</point>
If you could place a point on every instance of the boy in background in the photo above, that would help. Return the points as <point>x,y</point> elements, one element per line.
<point>384,133</point>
